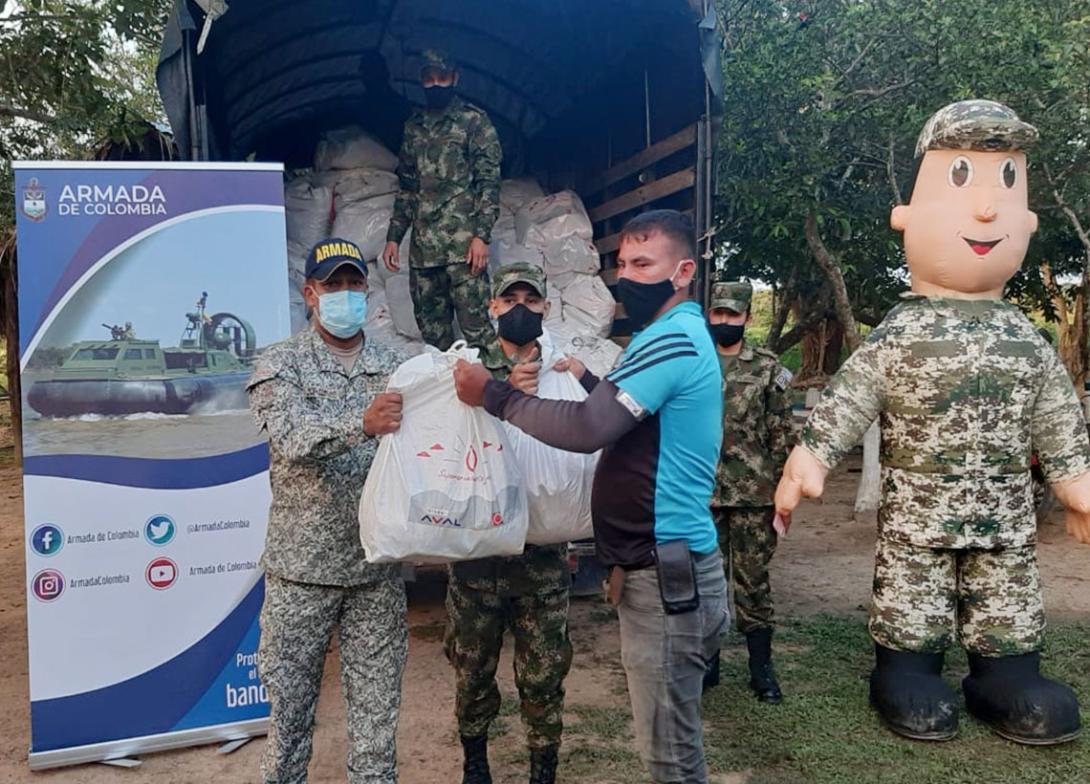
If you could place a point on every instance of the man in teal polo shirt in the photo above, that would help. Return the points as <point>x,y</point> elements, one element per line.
<point>657,417</point>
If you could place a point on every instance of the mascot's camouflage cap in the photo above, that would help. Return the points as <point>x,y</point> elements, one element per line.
<point>986,126</point>
<point>437,58</point>
<point>519,272</point>
<point>734,295</point>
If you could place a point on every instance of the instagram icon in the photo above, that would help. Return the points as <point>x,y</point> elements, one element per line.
<point>47,585</point>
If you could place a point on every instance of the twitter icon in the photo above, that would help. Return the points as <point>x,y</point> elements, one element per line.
<point>159,530</point>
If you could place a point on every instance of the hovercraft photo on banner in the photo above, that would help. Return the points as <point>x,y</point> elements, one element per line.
<point>146,291</point>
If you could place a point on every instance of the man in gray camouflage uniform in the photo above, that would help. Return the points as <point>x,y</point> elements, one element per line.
<point>320,398</point>
<point>527,594</point>
<point>756,437</point>
<point>449,195</point>
<point>965,389</point>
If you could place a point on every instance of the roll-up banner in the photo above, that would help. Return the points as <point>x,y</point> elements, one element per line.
<point>146,290</point>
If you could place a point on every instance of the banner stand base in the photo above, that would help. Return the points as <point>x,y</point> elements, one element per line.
<point>122,762</point>
<point>233,746</point>
<point>117,750</point>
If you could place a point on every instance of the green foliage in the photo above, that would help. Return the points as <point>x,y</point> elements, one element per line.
<point>77,73</point>
<point>825,100</point>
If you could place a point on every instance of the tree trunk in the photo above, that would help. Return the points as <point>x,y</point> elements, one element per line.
<point>834,342</point>
<point>831,267</point>
<point>1070,325</point>
<point>11,337</point>
<point>1083,340</point>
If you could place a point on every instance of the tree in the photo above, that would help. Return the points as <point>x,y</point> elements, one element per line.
<point>824,103</point>
<point>76,74</point>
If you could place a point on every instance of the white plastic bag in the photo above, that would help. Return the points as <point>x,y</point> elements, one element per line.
<point>352,148</point>
<point>600,355</point>
<point>558,483</point>
<point>446,486</point>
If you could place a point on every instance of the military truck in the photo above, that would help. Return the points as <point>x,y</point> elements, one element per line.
<point>615,100</point>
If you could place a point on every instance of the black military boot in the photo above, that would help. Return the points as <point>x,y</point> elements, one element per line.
<point>475,767</point>
<point>910,695</point>
<point>762,678</point>
<point>711,673</point>
<point>1009,694</point>
<point>543,765</point>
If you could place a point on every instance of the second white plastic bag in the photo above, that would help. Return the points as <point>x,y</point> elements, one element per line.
<point>558,483</point>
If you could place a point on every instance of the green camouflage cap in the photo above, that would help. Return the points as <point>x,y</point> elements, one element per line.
<point>985,126</point>
<point>437,58</point>
<point>733,295</point>
<point>519,272</point>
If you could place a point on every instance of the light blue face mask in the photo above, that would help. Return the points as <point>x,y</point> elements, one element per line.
<point>342,313</point>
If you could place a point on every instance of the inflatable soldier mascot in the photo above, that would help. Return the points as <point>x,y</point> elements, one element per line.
<point>965,389</point>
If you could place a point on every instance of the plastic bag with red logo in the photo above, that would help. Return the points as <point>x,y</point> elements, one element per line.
<point>446,486</point>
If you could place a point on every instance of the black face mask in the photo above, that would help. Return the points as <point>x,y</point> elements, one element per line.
<point>727,335</point>
<point>438,97</point>
<point>643,300</point>
<point>520,325</point>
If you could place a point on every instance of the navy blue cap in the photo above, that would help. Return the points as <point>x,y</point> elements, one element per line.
<point>330,254</point>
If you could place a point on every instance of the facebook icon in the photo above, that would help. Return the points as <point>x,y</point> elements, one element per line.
<point>47,539</point>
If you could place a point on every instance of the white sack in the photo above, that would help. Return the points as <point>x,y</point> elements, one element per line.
<point>352,148</point>
<point>515,193</point>
<point>600,355</point>
<point>588,303</point>
<point>446,486</point>
<point>307,211</point>
<point>400,302</point>
<point>553,217</point>
<point>571,254</point>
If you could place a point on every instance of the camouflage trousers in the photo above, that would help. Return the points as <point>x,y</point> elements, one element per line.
<point>297,622</point>
<point>440,292</point>
<point>990,598</point>
<point>746,534</point>
<point>543,652</point>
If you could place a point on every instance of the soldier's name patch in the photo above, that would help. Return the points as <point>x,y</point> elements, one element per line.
<point>783,378</point>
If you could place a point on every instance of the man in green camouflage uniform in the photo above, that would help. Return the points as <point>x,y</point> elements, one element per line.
<point>756,438</point>
<point>449,172</point>
<point>965,389</point>
<point>322,402</point>
<point>526,594</point>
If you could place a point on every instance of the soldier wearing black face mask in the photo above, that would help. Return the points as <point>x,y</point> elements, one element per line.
<point>449,195</point>
<point>757,435</point>
<point>527,594</point>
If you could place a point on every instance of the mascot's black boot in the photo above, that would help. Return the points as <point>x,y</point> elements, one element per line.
<point>1009,694</point>
<point>910,695</point>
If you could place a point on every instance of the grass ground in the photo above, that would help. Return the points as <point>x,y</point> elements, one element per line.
<point>825,733</point>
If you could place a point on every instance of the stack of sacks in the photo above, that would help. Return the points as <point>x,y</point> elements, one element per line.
<point>555,233</point>
<point>360,171</point>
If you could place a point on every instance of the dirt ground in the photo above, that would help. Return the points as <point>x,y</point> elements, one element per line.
<point>824,566</point>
